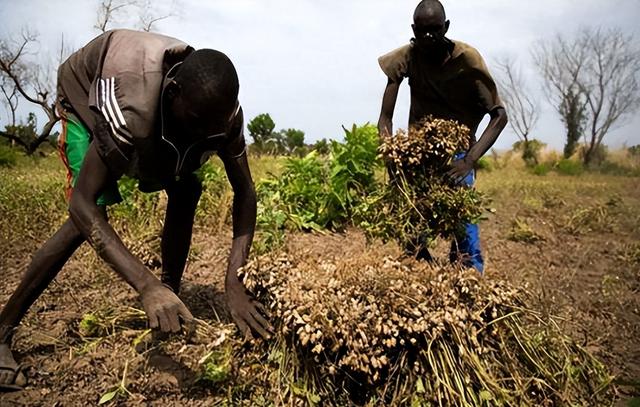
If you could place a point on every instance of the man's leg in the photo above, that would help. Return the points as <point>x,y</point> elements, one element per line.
<point>178,226</point>
<point>44,267</point>
<point>466,248</point>
<point>50,258</point>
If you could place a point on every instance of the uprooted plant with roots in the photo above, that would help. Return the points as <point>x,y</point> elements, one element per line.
<point>421,203</point>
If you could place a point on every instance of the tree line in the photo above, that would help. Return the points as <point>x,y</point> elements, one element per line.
<point>589,77</point>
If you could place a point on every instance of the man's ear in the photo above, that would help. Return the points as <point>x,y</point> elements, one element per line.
<point>172,90</point>
<point>446,26</point>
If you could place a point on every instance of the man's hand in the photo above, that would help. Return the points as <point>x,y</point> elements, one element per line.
<point>247,313</point>
<point>459,169</point>
<point>164,309</point>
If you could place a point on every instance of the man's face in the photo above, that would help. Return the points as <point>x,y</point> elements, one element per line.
<point>189,122</point>
<point>195,129</point>
<point>429,30</point>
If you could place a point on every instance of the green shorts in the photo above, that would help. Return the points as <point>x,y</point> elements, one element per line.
<point>73,145</point>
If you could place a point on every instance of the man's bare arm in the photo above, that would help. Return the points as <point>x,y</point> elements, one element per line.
<point>163,308</point>
<point>460,168</point>
<point>385,123</point>
<point>490,135</point>
<point>245,310</point>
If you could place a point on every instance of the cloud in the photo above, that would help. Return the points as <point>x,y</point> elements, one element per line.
<point>312,65</point>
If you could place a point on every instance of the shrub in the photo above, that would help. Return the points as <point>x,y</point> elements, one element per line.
<point>316,193</point>
<point>541,169</point>
<point>569,167</point>
<point>521,231</point>
<point>614,168</point>
<point>484,164</point>
<point>8,156</point>
<point>530,150</point>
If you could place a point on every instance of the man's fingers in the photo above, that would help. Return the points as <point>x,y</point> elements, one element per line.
<point>174,322</point>
<point>261,320</point>
<point>242,326</point>
<point>164,321</point>
<point>153,320</point>
<point>262,308</point>
<point>6,378</point>
<point>258,328</point>
<point>186,315</point>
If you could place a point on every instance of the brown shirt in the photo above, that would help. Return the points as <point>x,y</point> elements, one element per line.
<point>120,76</point>
<point>461,89</point>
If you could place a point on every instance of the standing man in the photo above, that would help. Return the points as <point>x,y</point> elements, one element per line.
<point>151,107</point>
<point>448,80</point>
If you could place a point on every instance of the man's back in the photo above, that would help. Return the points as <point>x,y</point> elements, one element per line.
<point>119,75</point>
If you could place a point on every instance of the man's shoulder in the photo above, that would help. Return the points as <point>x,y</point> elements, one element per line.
<point>141,36</point>
<point>395,63</point>
<point>469,54</point>
<point>403,51</point>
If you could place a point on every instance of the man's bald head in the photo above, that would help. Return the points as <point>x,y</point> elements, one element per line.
<point>208,79</point>
<point>429,10</point>
<point>202,97</point>
<point>430,25</point>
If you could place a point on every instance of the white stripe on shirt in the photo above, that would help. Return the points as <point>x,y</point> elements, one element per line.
<point>107,111</point>
<point>114,101</point>
<point>112,116</point>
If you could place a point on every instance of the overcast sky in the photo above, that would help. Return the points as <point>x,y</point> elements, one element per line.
<point>312,65</point>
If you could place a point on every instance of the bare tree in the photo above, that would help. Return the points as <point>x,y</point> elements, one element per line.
<point>152,12</point>
<point>33,82</point>
<point>119,12</point>
<point>560,62</point>
<point>522,105</point>
<point>10,101</point>
<point>110,11</point>
<point>609,82</point>
<point>11,98</point>
<point>592,79</point>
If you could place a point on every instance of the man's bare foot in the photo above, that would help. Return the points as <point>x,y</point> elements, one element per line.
<point>11,376</point>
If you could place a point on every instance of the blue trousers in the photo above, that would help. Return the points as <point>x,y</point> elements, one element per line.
<point>467,247</point>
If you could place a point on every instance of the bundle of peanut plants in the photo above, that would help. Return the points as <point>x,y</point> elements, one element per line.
<point>373,330</point>
<point>421,202</point>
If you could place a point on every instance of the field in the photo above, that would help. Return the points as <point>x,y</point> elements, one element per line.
<point>572,243</point>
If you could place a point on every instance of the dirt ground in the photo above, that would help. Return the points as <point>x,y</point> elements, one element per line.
<point>575,249</point>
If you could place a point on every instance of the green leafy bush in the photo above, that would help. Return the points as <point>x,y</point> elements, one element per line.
<point>484,164</point>
<point>530,150</point>
<point>613,168</point>
<point>317,193</point>
<point>569,167</point>
<point>541,169</point>
<point>8,156</point>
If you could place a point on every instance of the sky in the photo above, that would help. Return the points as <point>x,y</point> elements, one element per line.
<point>312,65</point>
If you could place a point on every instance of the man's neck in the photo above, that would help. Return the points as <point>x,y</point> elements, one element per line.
<point>445,56</point>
